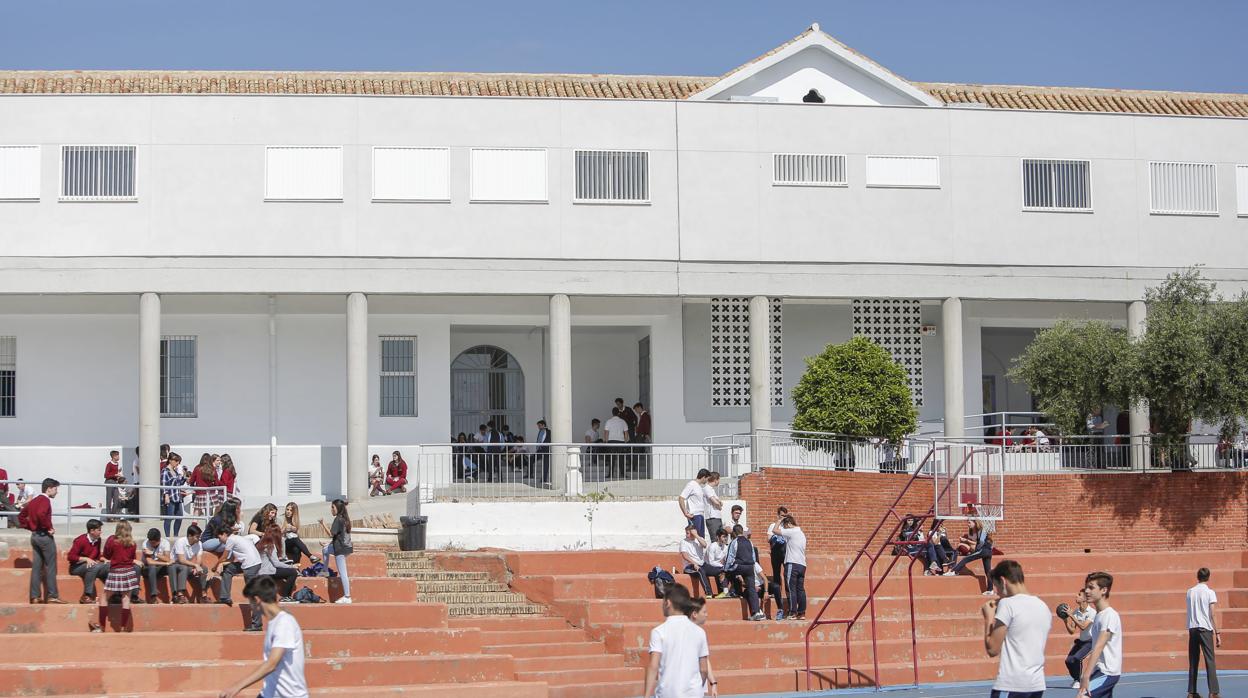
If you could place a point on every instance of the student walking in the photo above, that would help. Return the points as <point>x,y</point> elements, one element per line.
<point>1103,666</point>
<point>340,544</point>
<point>1015,629</point>
<point>679,665</point>
<point>282,669</point>
<point>36,517</point>
<point>794,565</point>
<point>1079,623</point>
<point>86,559</point>
<point>120,551</point>
<point>1202,634</point>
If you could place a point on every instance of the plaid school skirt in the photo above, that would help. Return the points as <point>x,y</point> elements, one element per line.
<point>122,581</point>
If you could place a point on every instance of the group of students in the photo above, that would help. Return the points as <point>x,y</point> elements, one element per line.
<point>390,480</point>
<point>268,548</point>
<point>184,491</point>
<point>726,554</point>
<point>939,555</point>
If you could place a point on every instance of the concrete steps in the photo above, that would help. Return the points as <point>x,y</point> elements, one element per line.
<point>465,593</point>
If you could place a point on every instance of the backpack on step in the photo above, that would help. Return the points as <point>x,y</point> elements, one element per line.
<point>306,595</point>
<point>662,581</point>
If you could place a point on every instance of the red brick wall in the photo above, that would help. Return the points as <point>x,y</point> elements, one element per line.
<point>1044,513</point>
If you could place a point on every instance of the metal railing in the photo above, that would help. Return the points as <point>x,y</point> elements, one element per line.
<point>782,448</point>
<point>65,505</point>
<point>456,471</point>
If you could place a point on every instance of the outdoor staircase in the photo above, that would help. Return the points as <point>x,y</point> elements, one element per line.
<point>464,593</point>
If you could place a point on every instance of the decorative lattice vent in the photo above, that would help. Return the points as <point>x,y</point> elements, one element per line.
<point>895,325</point>
<point>730,352</point>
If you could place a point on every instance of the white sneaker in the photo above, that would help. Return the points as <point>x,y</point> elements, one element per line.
<point>1076,686</point>
<point>950,573</point>
<point>989,593</point>
<point>758,616</point>
<point>345,599</point>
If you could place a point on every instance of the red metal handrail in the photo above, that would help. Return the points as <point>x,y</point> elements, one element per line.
<point>872,585</point>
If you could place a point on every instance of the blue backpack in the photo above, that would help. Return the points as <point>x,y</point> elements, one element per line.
<point>662,581</point>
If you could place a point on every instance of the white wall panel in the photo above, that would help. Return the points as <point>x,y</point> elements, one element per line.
<point>903,171</point>
<point>303,173</point>
<point>19,172</point>
<point>411,174</point>
<point>1241,189</point>
<point>508,174</point>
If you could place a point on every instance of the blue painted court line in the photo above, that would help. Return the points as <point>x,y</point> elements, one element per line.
<point>1150,685</point>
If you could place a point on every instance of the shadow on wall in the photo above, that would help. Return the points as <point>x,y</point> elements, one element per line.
<point>331,472</point>
<point>1185,505</point>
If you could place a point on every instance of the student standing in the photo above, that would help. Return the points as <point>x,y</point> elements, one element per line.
<point>240,557</point>
<point>112,475</point>
<point>679,664</point>
<point>340,544</point>
<point>204,476</point>
<point>1079,623</point>
<point>692,501</point>
<point>282,669</point>
<point>713,506</point>
<point>1016,629</point>
<point>1104,663</point>
<point>171,483</point>
<point>794,565</point>
<point>1202,633</point>
<point>36,516</point>
<point>775,543</point>
<point>120,551</point>
<point>699,616</point>
<point>85,559</point>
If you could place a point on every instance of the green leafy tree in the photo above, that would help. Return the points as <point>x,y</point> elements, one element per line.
<point>854,388</point>
<point>1073,369</point>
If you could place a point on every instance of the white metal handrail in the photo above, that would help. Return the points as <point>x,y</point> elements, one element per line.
<point>71,513</point>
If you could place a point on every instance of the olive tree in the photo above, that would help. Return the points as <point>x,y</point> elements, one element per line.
<point>1073,369</point>
<point>854,388</point>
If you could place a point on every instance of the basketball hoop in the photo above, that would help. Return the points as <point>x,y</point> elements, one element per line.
<point>969,482</point>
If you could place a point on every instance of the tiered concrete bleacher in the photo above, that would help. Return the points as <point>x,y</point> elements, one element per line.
<point>576,625</point>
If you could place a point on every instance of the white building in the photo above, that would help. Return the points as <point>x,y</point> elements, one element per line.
<point>293,267</point>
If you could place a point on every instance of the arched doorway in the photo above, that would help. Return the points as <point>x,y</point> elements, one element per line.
<point>486,383</point>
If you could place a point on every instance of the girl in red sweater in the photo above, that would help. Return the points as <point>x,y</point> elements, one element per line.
<point>204,475</point>
<point>229,476</point>
<point>123,578</point>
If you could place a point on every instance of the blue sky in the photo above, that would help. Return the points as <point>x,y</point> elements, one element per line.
<point>1148,44</point>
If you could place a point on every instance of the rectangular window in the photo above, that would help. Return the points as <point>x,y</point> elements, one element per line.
<point>411,174</point>
<point>612,176</point>
<point>303,173</point>
<point>1184,188</point>
<point>803,169</point>
<point>177,376</point>
<point>99,173</point>
<point>1057,185</point>
<point>398,376</point>
<point>1241,189</point>
<point>903,171</point>
<point>19,173</point>
<point>8,376</point>
<point>508,174</point>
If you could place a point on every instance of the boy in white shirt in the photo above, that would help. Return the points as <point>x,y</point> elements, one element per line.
<point>712,507</point>
<point>244,559</point>
<point>692,501</point>
<point>1103,666</point>
<point>188,565</point>
<point>155,556</point>
<point>716,556</point>
<point>282,669</point>
<point>679,655</point>
<point>1202,633</point>
<point>1079,623</point>
<point>693,554</point>
<point>1016,629</point>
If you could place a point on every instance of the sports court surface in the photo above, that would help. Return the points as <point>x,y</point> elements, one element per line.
<point>1167,685</point>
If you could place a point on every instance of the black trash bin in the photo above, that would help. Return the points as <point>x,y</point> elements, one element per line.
<point>412,533</point>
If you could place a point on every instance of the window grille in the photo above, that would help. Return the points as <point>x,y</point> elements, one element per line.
<point>411,174</point>
<point>1184,188</point>
<point>299,483</point>
<point>177,376</point>
<point>802,169</point>
<point>303,173</point>
<point>730,351</point>
<point>903,171</point>
<point>1057,185</point>
<point>1241,189</point>
<point>612,176</point>
<point>508,175</point>
<point>896,325</point>
<point>8,376</point>
<point>398,376</point>
<point>98,173</point>
<point>19,172</point>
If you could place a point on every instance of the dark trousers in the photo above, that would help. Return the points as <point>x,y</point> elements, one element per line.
<point>795,580</point>
<point>89,574</point>
<point>984,553</point>
<point>712,528</point>
<point>180,574</point>
<point>43,566</point>
<point>1074,659</point>
<point>296,549</point>
<point>1016,694</point>
<point>699,575</point>
<point>1200,641</point>
<point>1100,685</point>
<point>174,525</point>
<point>717,573</point>
<point>285,578</point>
<point>232,570</point>
<point>744,582</point>
<point>152,574</point>
<point>777,565</point>
<point>699,524</point>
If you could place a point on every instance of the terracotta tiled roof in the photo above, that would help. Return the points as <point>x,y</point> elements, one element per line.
<point>1091,99</point>
<point>487,84</point>
<point>590,86</point>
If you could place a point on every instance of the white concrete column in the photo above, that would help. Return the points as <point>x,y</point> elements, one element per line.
<point>560,419</point>
<point>955,384</point>
<point>357,398</point>
<point>1137,313</point>
<point>760,379</point>
<point>149,402</point>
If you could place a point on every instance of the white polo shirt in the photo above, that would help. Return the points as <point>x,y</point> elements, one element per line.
<point>695,498</point>
<point>694,550</point>
<point>1108,621</point>
<point>681,644</point>
<point>1027,622</point>
<point>287,680</point>
<point>243,550</point>
<point>1200,600</point>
